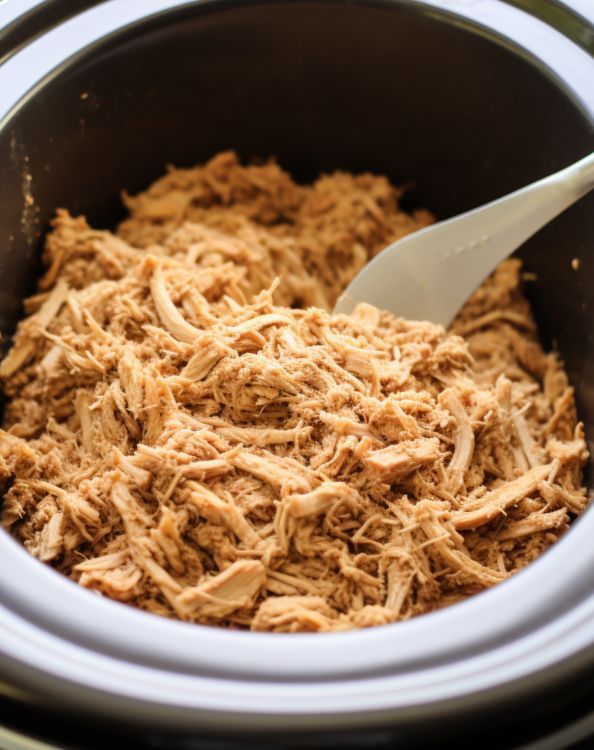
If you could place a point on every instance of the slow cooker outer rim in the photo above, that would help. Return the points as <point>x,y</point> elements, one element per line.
<point>301,670</point>
<point>448,636</point>
<point>99,685</point>
<point>490,18</point>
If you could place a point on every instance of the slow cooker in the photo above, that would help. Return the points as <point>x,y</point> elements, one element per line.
<point>464,100</point>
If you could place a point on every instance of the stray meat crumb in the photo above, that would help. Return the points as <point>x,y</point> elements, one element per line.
<point>188,429</point>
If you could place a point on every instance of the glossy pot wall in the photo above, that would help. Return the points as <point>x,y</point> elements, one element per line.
<point>467,100</point>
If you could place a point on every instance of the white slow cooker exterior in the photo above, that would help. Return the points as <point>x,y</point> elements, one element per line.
<point>65,644</point>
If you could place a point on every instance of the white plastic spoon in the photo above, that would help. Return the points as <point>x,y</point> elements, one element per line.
<point>430,274</point>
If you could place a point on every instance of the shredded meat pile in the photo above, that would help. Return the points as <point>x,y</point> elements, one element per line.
<point>188,429</point>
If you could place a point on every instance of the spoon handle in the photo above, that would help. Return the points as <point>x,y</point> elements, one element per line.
<point>579,177</point>
<point>516,217</point>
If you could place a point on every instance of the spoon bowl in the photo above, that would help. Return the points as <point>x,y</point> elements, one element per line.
<point>430,274</point>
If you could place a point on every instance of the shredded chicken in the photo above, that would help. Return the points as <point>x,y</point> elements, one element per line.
<point>187,428</point>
